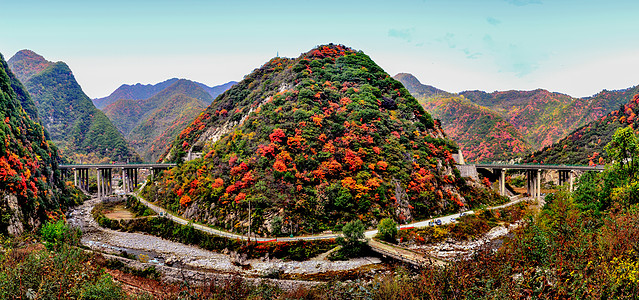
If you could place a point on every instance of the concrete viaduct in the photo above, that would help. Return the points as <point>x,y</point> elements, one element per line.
<point>533,174</point>
<point>104,174</point>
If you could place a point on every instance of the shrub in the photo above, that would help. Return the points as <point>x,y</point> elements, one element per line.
<point>387,230</point>
<point>353,231</point>
<point>56,234</point>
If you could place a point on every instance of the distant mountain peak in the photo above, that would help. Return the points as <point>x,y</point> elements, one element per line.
<point>416,87</point>
<point>26,63</point>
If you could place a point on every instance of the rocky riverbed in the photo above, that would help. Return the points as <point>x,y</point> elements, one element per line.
<point>152,249</point>
<point>451,249</point>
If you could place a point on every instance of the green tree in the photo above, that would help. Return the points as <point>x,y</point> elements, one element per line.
<point>353,231</point>
<point>387,230</point>
<point>624,150</point>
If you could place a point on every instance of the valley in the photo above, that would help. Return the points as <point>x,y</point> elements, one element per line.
<point>319,175</point>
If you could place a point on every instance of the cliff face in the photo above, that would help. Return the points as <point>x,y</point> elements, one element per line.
<point>311,143</point>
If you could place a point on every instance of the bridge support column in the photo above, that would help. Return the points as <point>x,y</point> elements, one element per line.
<point>529,186</point>
<point>572,178</point>
<point>502,182</point>
<point>107,186</point>
<point>538,189</point>
<point>75,177</point>
<point>98,177</point>
<point>86,179</point>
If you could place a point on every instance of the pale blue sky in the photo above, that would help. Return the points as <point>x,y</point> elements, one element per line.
<point>574,47</point>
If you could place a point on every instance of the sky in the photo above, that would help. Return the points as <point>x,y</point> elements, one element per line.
<point>573,47</point>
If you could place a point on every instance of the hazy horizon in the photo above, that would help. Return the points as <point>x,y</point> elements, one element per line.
<point>573,47</point>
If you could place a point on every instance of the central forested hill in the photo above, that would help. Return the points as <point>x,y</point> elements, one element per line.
<point>82,132</point>
<point>313,142</point>
<point>31,188</point>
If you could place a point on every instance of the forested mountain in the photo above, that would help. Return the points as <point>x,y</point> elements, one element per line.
<point>523,121</point>
<point>144,91</point>
<point>586,144</point>
<point>313,142</point>
<point>544,117</point>
<point>218,89</point>
<point>133,92</point>
<point>151,124</point>
<point>483,134</point>
<point>30,184</point>
<point>81,132</point>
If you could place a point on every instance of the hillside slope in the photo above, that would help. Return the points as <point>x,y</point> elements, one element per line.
<point>79,130</point>
<point>586,144</point>
<point>483,135</point>
<point>150,124</point>
<point>514,123</point>
<point>31,188</point>
<point>311,143</point>
<point>544,117</point>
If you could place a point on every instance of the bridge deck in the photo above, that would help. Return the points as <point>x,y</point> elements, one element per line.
<point>105,166</point>
<point>540,167</point>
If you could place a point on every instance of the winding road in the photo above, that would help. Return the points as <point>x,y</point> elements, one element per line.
<point>368,234</point>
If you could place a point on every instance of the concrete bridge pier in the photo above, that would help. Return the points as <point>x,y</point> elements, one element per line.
<point>129,179</point>
<point>572,179</point>
<point>502,182</point>
<point>105,186</point>
<point>567,176</point>
<point>533,183</point>
<point>500,174</point>
<point>123,176</point>
<point>81,178</point>
<point>98,177</point>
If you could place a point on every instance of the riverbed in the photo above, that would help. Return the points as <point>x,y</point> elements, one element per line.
<point>155,250</point>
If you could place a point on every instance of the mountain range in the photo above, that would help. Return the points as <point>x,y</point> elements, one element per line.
<point>150,124</point>
<point>585,145</point>
<point>81,131</point>
<point>504,125</point>
<point>144,91</point>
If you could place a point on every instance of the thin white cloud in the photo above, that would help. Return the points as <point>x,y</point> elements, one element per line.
<point>405,34</point>
<point>493,21</point>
